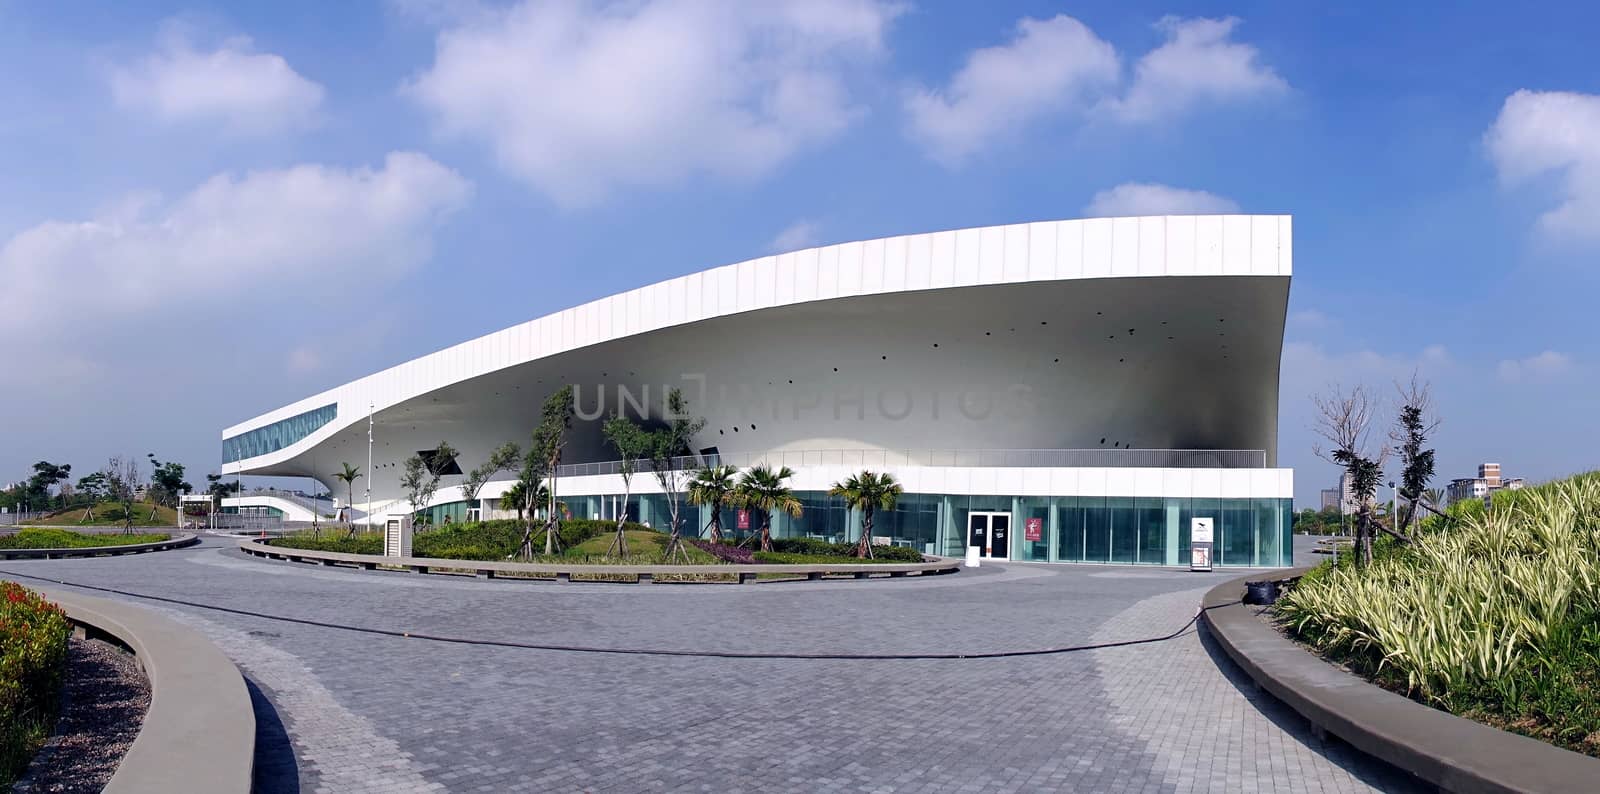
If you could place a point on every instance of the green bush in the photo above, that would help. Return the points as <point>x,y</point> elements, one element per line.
<point>1493,614</point>
<point>48,538</point>
<point>815,547</point>
<point>476,540</point>
<point>33,656</point>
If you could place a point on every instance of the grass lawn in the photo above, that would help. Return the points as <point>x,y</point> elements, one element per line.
<point>107,515</point>
<point>48,538</point>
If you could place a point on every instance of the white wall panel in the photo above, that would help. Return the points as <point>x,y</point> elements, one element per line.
<point>1147,482</point>
<point>1207,483</point>
<point>828,272</point>
<point>1208,244</point>
<point>1120,482</point>
<point>1180,245</point>
<point>919,261</point>
<point>850,258</point>
<point>872,267</point>
<point>1041,264</point>
<point>1235,483</point>
<point>1236,245</point>
<point>943,271</point>
<point>1035,481</point>
<point>894,264</point>
<point>1124,246</point>
<point>766,272</point>
<point>783,279</point>
<point>1285,245</point>
<point>968,242</point>
<point>727,290</point>
<point>1263,245</point>
<point>805,274</point>
<point>991,255</point>
<point>982,480</point>
<point>1069,249</point>
<point>1064,481</point>
<point>1017,250</point>
<point>1152,246</point>
<point>1091,482</point>
<point>1097,248</point>
<point>1177,483</point>
<point>745,279</point>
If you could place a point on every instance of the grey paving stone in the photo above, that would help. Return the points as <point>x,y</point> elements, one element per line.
<point>369,712</point>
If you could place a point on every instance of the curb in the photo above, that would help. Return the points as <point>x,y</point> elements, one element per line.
<point>1451,752</point>
<point>199,734</point>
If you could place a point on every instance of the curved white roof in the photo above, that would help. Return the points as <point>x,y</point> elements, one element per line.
<point>1051,251</point>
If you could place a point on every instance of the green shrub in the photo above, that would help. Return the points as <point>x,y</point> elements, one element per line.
<point>1493,614</point>
<point>813,546</point>
<point>476,540</point>
<point>784,558</point>
<point>33,656</point>
<point>50,538</point>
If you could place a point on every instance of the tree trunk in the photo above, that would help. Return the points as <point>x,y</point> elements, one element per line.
<point>715,525</point>
<point>766,532</point>
<point>864,546</point>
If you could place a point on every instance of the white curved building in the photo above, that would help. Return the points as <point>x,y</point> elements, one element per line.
<point>1086,386</point>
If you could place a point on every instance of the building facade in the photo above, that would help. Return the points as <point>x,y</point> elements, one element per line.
<point>1488,481</point>
<point>1056,391</point>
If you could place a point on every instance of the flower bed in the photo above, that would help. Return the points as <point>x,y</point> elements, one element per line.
<point>33,654</point>
<point>1493,615</point>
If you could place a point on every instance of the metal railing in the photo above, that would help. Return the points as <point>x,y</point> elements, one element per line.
<point>1022,458</point>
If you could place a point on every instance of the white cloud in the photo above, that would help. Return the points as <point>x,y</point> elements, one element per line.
<point>1310,320</point>
<point>1059,66</point>
<point>303,360</point>
<point>1543,366</point>
<point>1146,198</point>
<point>1198,63</point>
<point>583,99</point>
<point>248,93</point>
<point>798,235</point>
<point>1553,132</point>
<point>229,245</point>
<point>1049,66</point>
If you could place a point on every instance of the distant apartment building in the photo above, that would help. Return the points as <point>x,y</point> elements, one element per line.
<point>1489,480</point>
<point>1330,498</point>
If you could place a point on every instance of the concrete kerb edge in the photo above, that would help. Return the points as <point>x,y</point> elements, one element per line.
<point>1451,752</point>
<point>745,573</point>
<point>199,732</point>
<point>188,539</point>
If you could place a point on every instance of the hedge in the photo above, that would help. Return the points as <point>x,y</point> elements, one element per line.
<point>477,540</point>
<point>48,538</point>
<point>33,656</point>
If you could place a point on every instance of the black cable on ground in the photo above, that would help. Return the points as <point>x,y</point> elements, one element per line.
<point>898,657</point>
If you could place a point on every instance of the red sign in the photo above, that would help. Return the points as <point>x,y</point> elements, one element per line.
<point>1033,529</point>
<point>744,519</point>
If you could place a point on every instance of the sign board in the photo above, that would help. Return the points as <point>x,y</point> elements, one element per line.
<point>1033,529</point>
<point>1200,545</point>
<point>743,520</point>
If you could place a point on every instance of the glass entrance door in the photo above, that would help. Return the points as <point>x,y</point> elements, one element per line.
<point>990,532</point>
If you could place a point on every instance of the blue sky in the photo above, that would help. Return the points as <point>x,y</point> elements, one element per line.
<point>210,209</point>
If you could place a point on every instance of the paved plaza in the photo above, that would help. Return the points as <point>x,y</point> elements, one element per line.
<point>344,711</point>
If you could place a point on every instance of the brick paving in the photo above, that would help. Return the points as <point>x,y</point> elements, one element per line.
<point>343,711</point>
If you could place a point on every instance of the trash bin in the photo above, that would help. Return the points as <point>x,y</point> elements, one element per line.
<point>1263,592</point>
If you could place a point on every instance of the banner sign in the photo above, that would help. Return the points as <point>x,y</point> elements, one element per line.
<point>744,519</point>
<point>1200,544</point>
<point>1033,530</point>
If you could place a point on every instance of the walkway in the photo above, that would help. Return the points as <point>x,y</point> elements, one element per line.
<point>342,711</point>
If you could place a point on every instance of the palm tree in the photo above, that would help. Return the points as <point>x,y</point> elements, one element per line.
<point>349,477</point>
<point>867,492</point>
<point>765,491</point>
<point>515,498</point>
<point>713,486</point>
<point>1434,498</point>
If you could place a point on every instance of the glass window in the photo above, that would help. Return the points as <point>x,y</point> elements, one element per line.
<point>1032,511</point>
<point>1124,523</point>
<point>1152,530</point>
<point>1096,529</point>
<point>1236,532</point>
<point>277,435</point>
<point>1069,532</point>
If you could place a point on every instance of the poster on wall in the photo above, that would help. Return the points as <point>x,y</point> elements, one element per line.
<point>744,519</point>
<point>1033,530</point>
<point>1200,544</point>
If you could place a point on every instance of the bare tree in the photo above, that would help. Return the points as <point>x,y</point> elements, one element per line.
<point>1345,420</point>
<point>668,443</point>
<point>122,486</point>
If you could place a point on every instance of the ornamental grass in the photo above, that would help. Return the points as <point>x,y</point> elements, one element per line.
<point>33,657</point>
<point>1491,613</point>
